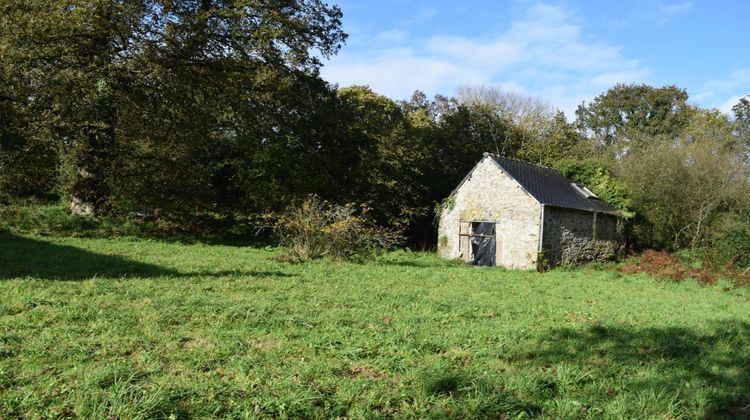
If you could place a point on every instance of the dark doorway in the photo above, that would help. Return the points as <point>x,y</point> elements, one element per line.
<point>482,243</point>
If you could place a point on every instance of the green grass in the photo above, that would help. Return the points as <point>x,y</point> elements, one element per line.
<point>55,220</point>
<point>131,328</point>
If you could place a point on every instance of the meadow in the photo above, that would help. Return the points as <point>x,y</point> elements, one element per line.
<point>137,328</point>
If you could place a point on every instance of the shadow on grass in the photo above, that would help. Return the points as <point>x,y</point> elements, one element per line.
<point>409,260</point>
<point>239,241</point>
<point>25,257</point>
<point>403,263</point>
<point>716,365</point>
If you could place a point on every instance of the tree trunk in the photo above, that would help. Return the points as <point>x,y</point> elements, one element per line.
<point>88,189</point>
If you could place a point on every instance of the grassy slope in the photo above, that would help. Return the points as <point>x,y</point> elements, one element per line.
<point>133,327</point>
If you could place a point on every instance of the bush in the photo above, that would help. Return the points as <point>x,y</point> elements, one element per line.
<point>317,228</point>
<point>597,176</point>
<point>730,241</point>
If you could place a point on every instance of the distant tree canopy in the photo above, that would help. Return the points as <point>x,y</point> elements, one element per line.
<point>742,118</point>
<point>202,115</point>
<point>629,113</point>
<point>684,187</point>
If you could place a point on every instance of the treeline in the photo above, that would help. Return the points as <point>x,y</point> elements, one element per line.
<point>201,116</point>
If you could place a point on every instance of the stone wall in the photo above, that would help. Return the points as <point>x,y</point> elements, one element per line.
<point>488,194</point>
<point>576,236</point>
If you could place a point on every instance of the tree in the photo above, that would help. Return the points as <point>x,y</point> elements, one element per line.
<point>540,133</point>
<point>742,119</point>
<point>381,157</point>
<point>530,115</point>
<point>153,101</point>
<point>626,114</point>
<point>57,59</point>
<point>558,140</point>
<point>27,164</point>
<point>599,177</point>
<point>683,187</point>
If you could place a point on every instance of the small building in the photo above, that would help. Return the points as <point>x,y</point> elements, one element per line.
<point>519,215</point>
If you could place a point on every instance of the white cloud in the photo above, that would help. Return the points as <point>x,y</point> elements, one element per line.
<point>725,93</point>
<point>544,53</point>
<point>664,12</point>
<point>675,8</point>
<point>660,12</point>
<point>726,107</point>
<point>393,35</point>
<point>485,55</point>
<point>398,72</point>
<point>427,12</point>
<point>607,80</point>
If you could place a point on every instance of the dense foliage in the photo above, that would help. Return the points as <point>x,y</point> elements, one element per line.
<point>201,116</point>
<point>598,176</point>
<point>316,228</point>
<point>189,112</point>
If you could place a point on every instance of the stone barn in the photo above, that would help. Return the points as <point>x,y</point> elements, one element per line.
<point>519,215</point>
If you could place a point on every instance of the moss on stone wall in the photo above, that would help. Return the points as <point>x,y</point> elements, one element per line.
<point>573,236</point>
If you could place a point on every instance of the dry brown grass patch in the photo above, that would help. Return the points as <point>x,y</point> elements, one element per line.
<point>666,266</point>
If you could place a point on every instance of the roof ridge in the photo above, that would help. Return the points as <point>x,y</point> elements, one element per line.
<point>539,165</point>
<point>549,186</point>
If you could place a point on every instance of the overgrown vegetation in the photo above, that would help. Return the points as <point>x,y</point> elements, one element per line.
<point>148,118</point>
<point>597,175</point>
<point>687,265</point>
<point>54,220</point>
<point>200,117</point>
<point>316,228</point>
<point>102,328</point>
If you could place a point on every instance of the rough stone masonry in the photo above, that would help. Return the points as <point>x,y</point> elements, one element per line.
<point>528,233</point>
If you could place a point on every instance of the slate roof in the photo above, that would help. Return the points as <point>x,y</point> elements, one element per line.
<point>549,187</point>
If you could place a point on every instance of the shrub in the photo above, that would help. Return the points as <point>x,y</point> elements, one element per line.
<point>317,228</point>
<point>596,175</point>
<point>681,188</point>
<point>730,241</point>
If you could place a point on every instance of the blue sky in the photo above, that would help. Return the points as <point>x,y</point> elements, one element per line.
<point>562,52</point>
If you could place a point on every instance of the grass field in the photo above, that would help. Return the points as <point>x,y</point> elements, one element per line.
<point>127,328</point>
